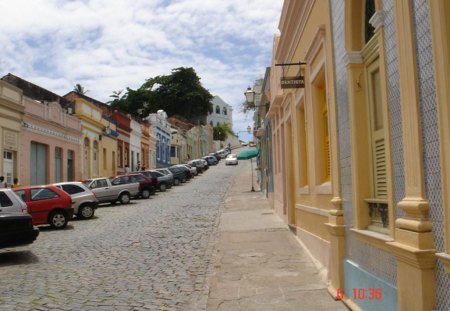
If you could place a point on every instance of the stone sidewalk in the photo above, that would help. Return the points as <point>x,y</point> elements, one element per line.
<point>259,263</point>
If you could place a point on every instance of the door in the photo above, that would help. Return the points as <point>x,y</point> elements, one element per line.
<point>38,164</point>
<point>8,166</point>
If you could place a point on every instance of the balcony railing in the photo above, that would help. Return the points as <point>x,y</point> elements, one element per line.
<point>378,214</point>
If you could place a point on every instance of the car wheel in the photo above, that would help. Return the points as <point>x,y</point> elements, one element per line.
<point>124,198</point>
<point>162,187</point>
<point>183,180</point>
<point>176,181</point>
<point>57,219</point>
<point>86,211</point>
<point>145,194</point>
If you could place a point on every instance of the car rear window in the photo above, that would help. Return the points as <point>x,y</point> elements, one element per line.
<point>138,178</point>
<point>99,183</point>
<point>72,189</point>
<point>120,180</point>
<point>5,200</point>
<point>43,194</point>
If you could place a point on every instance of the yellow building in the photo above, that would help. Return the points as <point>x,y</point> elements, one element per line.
<point>361,152</point>
<point>306,191</point>
<point>11,112</point>
<point>108,147</point>
<point>99,141</point>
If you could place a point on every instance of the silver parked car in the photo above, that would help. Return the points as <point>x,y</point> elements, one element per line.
<point>85,201</point>
<point>10,202</point>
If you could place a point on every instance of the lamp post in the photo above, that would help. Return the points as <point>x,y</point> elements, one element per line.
<point>250,100</point>
<point>248,130</point>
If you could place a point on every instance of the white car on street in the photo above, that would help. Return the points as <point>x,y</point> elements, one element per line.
<point>231,159</point>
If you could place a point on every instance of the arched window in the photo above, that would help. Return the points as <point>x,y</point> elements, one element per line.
<point>225,110</point>
<point>217,109</point>
<point>370,108</point>
<point>369,30</point>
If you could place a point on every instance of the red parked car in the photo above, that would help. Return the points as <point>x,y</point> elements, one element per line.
<point>47,205</point>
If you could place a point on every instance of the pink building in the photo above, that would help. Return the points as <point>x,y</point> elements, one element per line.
<point>50,136</point>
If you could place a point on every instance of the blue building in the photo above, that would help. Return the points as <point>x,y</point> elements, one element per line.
<point>158,121</point>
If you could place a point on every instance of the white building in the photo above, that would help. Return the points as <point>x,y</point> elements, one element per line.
<point>135,144</point>
<point>222,113</point>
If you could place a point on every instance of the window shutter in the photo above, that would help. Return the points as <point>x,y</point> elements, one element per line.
<point>380,169</point>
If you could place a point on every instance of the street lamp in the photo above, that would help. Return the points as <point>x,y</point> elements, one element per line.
<point>248,130</point>
<point>250,97</point>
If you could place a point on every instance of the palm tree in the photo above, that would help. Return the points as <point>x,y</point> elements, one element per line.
<point>116,94</point>
<point>78,88</point>
<point>221,131</point>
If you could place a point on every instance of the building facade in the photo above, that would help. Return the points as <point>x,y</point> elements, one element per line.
<point>135,145</point>
<point>163,135</point>
<point>305,176</point>
<point>92,129</point>
<point>222,113</point>
<point>49,138</point>
<point>123,141</point>
<point>360,154</point>
<point>100,147</point>
<point>11,114</point>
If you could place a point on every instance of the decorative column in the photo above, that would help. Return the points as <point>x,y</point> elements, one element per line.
<point>413,244</point>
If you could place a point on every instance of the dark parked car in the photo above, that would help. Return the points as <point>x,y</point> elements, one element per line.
<point>216,155</point>
<point>188,172</point>
<point>180,174</point>
<point>210,159</point>
<point>200,165</point>
<point>147,185</point>
<point>165,181</point>
<point>17,229</point>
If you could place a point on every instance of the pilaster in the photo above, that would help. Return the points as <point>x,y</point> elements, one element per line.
<point>413,245</point>
<point>336,229</point>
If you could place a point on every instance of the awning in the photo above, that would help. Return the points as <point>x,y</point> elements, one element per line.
<point>248,153</point>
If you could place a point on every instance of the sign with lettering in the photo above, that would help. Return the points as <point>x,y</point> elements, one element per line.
<point>292,82</point>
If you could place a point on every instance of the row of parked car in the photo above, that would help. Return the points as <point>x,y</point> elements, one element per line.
<point>24,208</point>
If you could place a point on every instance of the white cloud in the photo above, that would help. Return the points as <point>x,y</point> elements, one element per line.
<point>108,45</point>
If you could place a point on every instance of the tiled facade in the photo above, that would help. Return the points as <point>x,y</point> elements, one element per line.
<point>407,255</point>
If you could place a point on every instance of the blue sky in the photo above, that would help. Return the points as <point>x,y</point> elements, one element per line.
<point>108,45</point>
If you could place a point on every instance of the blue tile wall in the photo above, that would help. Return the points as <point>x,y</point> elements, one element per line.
<point>390,46</point>
<point>430,141</point>
<point>372,260</point>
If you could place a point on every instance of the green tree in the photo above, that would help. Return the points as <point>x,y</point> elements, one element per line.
<point>179,93</point>
<point>221,131</point>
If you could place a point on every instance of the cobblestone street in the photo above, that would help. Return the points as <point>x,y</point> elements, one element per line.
<point>149,255</point>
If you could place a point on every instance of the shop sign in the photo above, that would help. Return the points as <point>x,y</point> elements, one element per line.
<point>292,82</point>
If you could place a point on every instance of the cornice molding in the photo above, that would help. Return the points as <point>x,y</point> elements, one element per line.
<point>352,57</point>
<point>51,133</point>
<point>377,20</point>
<point>317,42</point>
